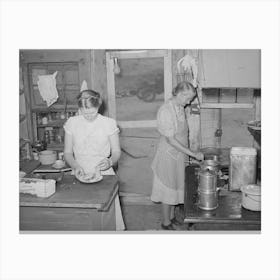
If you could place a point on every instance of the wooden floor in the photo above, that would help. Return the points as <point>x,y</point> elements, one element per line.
<point>147,217</point>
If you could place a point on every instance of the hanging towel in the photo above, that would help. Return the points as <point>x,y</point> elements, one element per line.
<point>84,85</point>
<point>188,65</point>
<point>47,88</point>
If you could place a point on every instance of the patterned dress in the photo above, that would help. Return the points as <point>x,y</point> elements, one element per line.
<point>169,163</point>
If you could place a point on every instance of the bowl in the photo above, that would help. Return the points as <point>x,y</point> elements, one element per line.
<point>90,178</point>
<point>251,197</point>
<point>47,157</point>
<point>59,164</point>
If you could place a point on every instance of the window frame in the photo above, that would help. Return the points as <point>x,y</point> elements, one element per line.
<point>224,105</point>
<point>45,65</point>
<point>110,55</point>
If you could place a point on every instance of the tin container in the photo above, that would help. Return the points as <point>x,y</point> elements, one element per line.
<point>207,190</point>
<point>207,181</point>
<point>242,168</point>
<point>208,201</point>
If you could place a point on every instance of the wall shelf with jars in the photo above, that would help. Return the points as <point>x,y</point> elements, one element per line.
<point>48,127</point>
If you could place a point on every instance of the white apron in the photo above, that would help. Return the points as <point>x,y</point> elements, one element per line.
<point>169,165</point>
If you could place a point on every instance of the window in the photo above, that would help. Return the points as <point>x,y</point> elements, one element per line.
<point>67,82</point>
<point>139,82</point>
<point>227,97</point>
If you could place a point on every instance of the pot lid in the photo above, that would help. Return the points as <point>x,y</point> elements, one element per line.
<point>251,189</point>
<point>210,162</point>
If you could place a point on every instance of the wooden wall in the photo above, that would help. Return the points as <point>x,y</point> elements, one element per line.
<point>83,57</point>
<point>230,68</point>
<point>93,69</point>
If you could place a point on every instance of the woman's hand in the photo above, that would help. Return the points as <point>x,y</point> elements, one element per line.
<point>79,171</point>
<point>105,164</point>
<point>199,156</point>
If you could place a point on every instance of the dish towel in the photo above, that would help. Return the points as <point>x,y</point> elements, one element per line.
<point>47,88</point>
<point>187,64</point>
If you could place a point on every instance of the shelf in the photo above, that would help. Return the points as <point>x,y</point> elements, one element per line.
<point>57,146</point>
<point>226,105</point>
<point>57,109</point>
<point>58,123</point>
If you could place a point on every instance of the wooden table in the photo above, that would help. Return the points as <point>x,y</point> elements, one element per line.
<point>229,210</point>
<point>74,206</point>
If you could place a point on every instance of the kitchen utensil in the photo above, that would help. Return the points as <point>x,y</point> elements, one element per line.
<point>207,201</point>
<point>207,189</point>
<point>47,157</point>
<point>251,197</point>
<point>207,181</point>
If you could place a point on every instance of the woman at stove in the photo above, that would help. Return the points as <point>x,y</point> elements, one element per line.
<point>169,162</point>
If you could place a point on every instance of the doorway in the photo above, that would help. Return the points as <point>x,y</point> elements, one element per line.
<point>139,82</point>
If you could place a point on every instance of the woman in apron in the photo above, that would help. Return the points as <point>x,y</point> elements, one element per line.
<point>92,142</point>
<point>169,162</point>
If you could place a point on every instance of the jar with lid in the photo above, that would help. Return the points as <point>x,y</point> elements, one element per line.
<point>47,137</point>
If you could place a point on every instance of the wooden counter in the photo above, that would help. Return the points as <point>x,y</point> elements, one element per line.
<point>74,206</point>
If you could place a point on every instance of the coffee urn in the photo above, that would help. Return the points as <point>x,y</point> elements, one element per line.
<point>207,190</point>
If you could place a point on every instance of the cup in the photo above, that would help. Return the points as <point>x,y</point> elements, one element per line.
<point>59,163</point>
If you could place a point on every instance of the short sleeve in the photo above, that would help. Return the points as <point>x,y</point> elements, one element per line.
<point>165,123</point>
<point>112,127</point>
<point>68,126</point>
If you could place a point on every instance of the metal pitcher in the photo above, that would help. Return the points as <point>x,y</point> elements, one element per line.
<point>207,190</point>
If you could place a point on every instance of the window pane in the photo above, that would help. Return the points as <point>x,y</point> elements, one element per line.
<point>210,95</point>
<point>228,95</point>
<point>139,88</point>
<point>245,95</point>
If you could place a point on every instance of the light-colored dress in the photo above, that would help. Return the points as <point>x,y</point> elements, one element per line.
<point>91,140</point>
<point>169,163</point>
<point>91,144</point>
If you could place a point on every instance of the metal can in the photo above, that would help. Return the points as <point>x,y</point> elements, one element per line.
<point>207,200</point>
<point>243,167</point>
